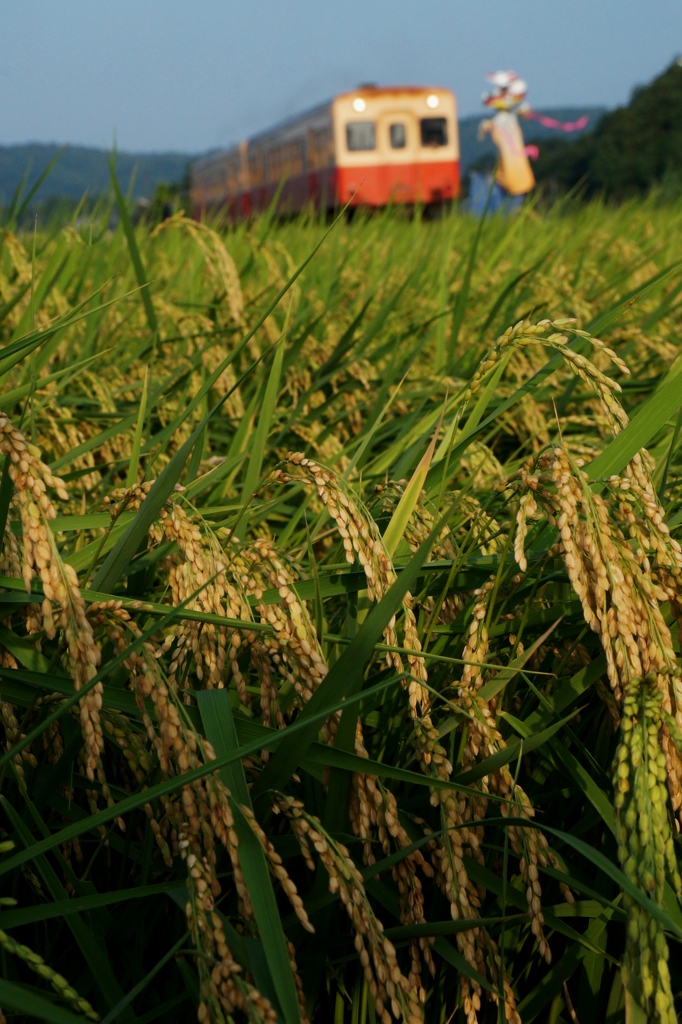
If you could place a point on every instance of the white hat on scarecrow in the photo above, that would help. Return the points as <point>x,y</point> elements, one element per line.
<point>508,90</point>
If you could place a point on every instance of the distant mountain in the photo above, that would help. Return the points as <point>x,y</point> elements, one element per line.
<point>632,148</point>
<point>472,151</point>
<point>81,169</point>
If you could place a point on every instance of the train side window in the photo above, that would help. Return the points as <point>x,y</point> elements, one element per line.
<point>318,148</point>
<point>398,136</point>
<point>361,135</point>
<point>434,131</point>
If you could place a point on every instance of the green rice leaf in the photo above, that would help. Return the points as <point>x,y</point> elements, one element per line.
<point>116,1013</point>
<point>135,256</point>
<point>33,1004</point>
<point>216,715</point>
<point>91,946</point>
<point>263,424</point>
<point>131,477</point>
<point>395,530</point>
<point>341,678</point>
<point>650,418</point>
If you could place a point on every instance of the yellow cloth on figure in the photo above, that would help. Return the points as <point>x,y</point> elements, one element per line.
<point>514,173</point>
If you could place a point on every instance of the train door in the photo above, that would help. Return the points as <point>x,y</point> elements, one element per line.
<point>398,142</point>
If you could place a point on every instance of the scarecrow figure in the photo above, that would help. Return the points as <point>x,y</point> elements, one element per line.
<point>514,176</point>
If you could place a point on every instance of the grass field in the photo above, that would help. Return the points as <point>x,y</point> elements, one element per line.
<point>339,659</point>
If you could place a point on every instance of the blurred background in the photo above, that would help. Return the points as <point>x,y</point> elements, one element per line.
<point>167,81</point>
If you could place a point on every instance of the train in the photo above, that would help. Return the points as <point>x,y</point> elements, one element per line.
<point>372,147</point>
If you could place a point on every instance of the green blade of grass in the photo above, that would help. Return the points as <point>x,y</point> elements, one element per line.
<point>463,293</point>
<point>611,871</point>
<point>164,435</point>
<point>477,412</point>
<point>135,257</point>
<point>650,418</point>
<point>395,531</point>
<point>160,789</point>
<point>216,715</point>
<point>341,677</point>
<point>20,206</point>
<point>92,948</point>
<point>260,437</point>
<point>10,398</point>
<point>33,1004</point>
<point>117,1012</point>
<point>78,904</point>
<point>93,443</point>
<point>131,477</point>
<point>19,348</point>
<point>491,764</point>
<point>127,546</point>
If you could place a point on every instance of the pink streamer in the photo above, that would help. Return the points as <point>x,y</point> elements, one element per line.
<point>562,126</point>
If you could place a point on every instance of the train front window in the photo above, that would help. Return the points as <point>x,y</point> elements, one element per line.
<point>360,135</point>
<point>434,131</point>
<point>398,136</point>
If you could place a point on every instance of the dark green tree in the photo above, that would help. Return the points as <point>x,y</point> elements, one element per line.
<point>631,149</point>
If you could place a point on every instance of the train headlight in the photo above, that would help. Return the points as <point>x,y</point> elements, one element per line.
<point>432,101</point>
<point>360,105</point>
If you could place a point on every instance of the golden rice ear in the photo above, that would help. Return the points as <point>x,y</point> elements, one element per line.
<point>375,818</point>
<point>620,594</point>
<point>390,989</point>
<point>219,262</point>
<point>40,557</point>
<point>525,334</point>
<point>362,540</point>
<point>361,318</point>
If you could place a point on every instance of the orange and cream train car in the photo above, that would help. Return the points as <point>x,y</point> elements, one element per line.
<point>371,147</point>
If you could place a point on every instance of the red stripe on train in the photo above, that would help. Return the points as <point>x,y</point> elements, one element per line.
<point>378,185</point>
<point>315,188</point>
<point>382,184</point>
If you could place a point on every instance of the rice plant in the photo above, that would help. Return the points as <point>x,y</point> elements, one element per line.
<point>339,663</point>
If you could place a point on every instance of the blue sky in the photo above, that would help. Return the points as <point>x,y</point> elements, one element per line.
<point>189,76</point>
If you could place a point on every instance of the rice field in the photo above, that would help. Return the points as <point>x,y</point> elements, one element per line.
<point>339,661</point>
